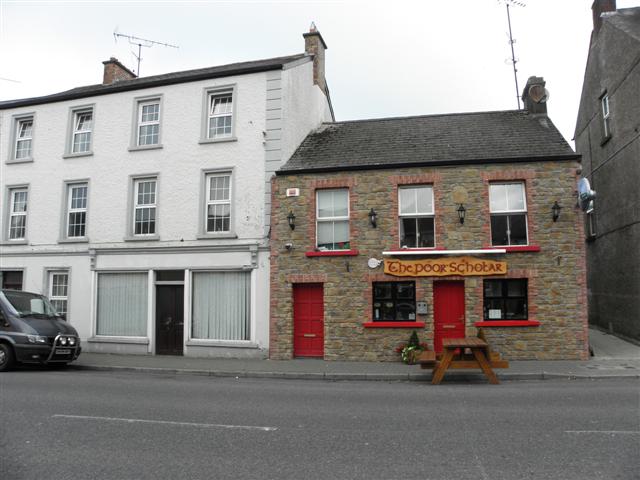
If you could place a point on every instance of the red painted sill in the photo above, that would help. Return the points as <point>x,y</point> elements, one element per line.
<point>332,253</point>
<point>508,323</point>
<point>393,325</point>
<point>520,248</point>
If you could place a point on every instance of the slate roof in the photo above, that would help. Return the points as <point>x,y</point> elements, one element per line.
<point>625,19</point>
<point>158,80</point>
<point>451,139</point>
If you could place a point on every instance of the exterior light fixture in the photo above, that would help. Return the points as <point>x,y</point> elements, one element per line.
<point>461,213</point>
<point>291,218</point>
<point>373,218</point>
<point>555,211</point>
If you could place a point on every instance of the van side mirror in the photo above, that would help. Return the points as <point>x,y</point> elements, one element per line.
<point>3,320</point>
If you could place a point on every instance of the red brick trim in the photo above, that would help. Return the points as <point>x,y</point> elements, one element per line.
<point>525,175</point>
<point>507,323</point>
<point>307,278</point>
<point>581,277</point>
<point>393,325</point>
<point>432,179</point>
<point>326,184</point>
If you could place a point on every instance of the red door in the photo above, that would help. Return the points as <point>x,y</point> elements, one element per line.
<point>308,320</point>
<point>448,312</point>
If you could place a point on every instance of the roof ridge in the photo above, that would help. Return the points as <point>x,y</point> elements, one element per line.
<point>409,117</point>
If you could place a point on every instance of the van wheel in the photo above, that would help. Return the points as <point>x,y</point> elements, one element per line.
<point>6,357</point>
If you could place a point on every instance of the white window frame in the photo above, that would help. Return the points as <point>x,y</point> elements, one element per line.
<point>320,220</point>
<point>208,201</point>
<point>77,114</point>
<point>59,298</point>
<point>136,123</point>
<point>13,191</point>
<point>19,139</point>
<point>70,209</point>
<point>146,206</point>
<point>416,215</point>
<point>212,115</point>
<point>509,211</point>
<point>606,115</point>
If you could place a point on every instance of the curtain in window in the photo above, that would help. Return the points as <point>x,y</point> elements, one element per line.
<point>122,304</point>
<point>221,305</point>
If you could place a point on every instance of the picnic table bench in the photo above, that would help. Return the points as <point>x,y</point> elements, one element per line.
<point>454,357</point>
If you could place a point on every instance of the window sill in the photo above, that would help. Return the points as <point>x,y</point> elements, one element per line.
<point>142,238</point>
<point>74,240</point>
<point>19,160</point>
<point>393,325</point>
<point>144,147</point>
<point>76,155</point>
<point>204,141</point>
<point>5,243</point>
<point>507,323</point>
<point>518,248</point>
<point>201,342</point>
<point>332,253</point>
<point>216,236</point>
<point>110,339</point>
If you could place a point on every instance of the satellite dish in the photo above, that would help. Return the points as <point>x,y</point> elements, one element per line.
<point>538,93</point>
<point>585,195</point>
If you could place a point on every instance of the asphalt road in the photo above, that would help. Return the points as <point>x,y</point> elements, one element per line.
<point>99,425</point>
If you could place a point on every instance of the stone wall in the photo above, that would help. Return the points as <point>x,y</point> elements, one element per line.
<point>555,273</point>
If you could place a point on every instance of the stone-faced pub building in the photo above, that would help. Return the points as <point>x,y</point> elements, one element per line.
<point>440,224</point>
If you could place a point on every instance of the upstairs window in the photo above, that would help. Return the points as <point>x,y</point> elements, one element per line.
<point>416,212</point>
<point>508,208</point>
<point>394,301</point>
<point>82,129</point>
<point>77,210</point>
<point>505,299</point>
<point>18,213</point>
<point>24,138</point>
<point>332,219</point>
<point>148,132</point>
<point>218,203</point>
<point>144,215</point>
<point>220,119</point>
<point>606,116</point>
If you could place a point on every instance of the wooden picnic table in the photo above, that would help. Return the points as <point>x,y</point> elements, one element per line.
<point>480,350</point>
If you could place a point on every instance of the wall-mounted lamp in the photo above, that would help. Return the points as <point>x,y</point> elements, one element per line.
<point>291,218</point>
<point>373,218</point>
<point>461,213</point>
<point>555,211</point>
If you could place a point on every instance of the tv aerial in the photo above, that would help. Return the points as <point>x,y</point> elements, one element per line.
<point>585,195</point>
<point>513,61</point>
<point>140,42</point>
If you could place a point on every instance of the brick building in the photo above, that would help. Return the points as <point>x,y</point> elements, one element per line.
<point>439,224</point>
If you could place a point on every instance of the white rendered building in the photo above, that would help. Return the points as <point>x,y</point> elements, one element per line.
<point>141,206</point>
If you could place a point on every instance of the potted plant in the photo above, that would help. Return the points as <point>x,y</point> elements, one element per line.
<point>410,351</point>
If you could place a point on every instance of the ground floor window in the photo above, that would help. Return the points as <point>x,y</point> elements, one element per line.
<point>394,301</point>
<point>11,279</point>
<point>221,305</point>
<point>59,291</point>
<point>122,304</point>
<point>505,299</point>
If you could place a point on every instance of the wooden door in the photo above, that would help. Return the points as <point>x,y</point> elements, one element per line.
<point>169,319</point>
<point>448,312</point>
<point>308,320</point>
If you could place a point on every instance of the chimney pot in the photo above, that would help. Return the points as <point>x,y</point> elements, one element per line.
<point>534,96</point>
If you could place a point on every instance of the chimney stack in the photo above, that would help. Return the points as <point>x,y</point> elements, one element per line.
<point>598,8</point>
<point>114,71</point>
<point>534,96</point>
<point>314,45</point>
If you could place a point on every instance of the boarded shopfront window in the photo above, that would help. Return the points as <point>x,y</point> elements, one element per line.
<point>415,205</point>
<point>394,301</point>
<point>505,299</point>
<point>122,304</point>
<point>332,216</point>
<point>221,305</point>
<point>508,214</point>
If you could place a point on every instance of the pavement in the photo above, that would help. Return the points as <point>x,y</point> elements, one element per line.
<point>613,358</point>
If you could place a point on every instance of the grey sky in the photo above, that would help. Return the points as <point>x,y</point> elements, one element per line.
<point>384,59</point>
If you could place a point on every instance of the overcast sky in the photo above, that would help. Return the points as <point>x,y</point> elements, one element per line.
<point>385,58</point>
